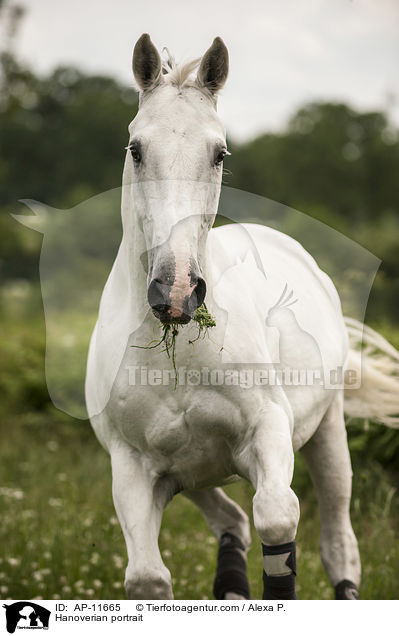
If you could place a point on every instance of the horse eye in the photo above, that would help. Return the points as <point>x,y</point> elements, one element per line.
<point>135,152</point>
<point>220,156</point>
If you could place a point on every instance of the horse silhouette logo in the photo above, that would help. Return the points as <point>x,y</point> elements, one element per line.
<point>78,250</point>
<point>26,615</point>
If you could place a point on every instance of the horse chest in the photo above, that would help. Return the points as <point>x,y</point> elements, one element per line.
<point>189,433</point>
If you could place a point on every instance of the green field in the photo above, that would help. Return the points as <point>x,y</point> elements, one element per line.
<point>60,537</point>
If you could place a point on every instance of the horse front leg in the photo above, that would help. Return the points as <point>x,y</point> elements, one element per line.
<point>230,525</point>
<point>268,460</point>
<point>139,503</point>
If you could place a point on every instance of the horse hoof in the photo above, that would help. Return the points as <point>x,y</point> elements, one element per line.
<point>346,591</point>
<point>233,596</point>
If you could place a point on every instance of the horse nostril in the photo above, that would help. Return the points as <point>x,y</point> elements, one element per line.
<point>198,295</point>
<point>158,294</point>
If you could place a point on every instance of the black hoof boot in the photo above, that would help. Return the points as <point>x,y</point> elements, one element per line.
<point>279,572</point>
<point>346,591</point>
<point>231,573</point>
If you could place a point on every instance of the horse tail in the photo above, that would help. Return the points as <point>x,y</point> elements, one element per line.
<point>376,363</point>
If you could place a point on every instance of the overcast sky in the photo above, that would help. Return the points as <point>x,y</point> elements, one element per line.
<point>282,52</point>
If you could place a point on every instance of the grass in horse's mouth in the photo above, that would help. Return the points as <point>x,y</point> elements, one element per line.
<point>203,318</point>
<point>204,321</point>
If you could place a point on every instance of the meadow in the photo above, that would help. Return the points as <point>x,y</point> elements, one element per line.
<point>60,537</point>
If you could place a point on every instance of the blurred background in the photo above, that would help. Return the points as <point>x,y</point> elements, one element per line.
<point>312,113</point>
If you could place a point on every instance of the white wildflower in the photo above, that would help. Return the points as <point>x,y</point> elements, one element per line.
<point>55,502</point>
<point>12,493</point>
<point>118,561</point>
<point>117,585</point>
<point>13,562</point>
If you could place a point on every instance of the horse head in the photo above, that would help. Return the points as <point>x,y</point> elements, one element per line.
<point>174,167</point>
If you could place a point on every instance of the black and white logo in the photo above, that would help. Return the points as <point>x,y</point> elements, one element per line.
<point>26,615</point>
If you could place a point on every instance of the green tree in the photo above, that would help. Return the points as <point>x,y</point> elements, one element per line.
<point>330,161</point>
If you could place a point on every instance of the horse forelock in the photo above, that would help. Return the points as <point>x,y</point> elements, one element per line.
<point>183,75</point>
<point>179,75</point>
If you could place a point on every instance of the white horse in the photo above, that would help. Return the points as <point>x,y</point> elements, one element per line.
<point>197,436</point>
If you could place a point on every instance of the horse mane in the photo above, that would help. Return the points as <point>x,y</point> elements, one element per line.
<point>179,75</point>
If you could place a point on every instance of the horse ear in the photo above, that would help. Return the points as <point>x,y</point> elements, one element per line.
<point>146,63</point>
<point>214,66</point>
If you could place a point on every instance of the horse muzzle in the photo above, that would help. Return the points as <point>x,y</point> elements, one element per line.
<point>176,303</point>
